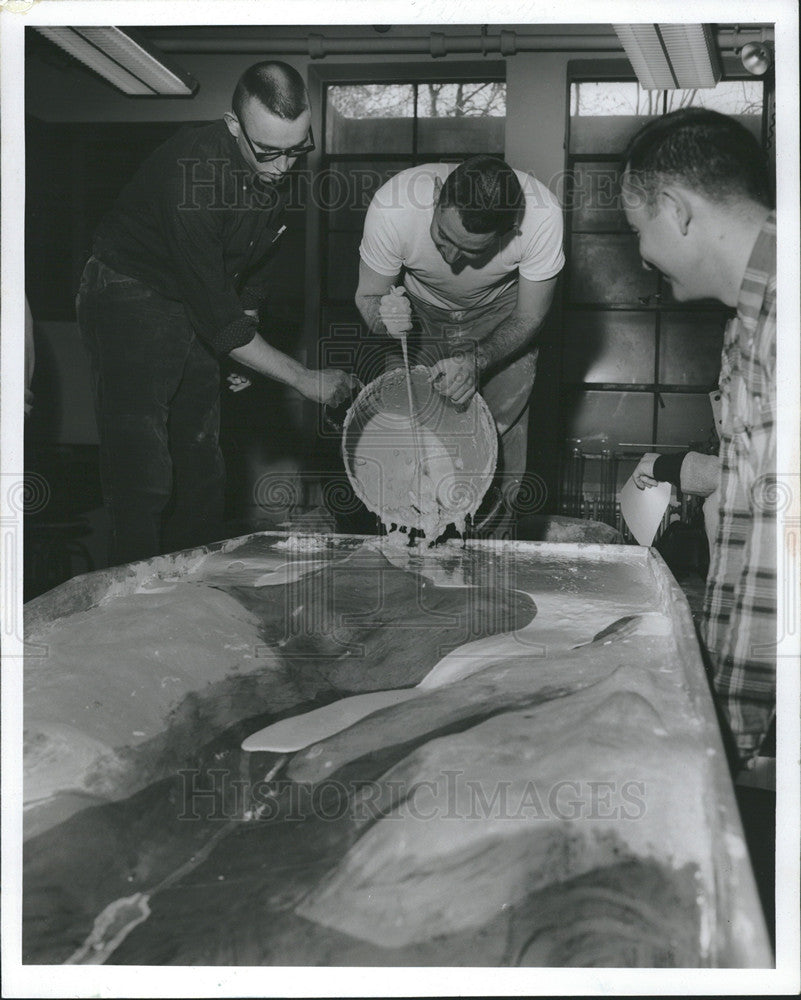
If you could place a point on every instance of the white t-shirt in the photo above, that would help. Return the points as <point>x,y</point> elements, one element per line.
<point>397,234</point>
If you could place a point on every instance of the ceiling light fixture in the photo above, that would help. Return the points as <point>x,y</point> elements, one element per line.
<point>757,57</point>
<point>671,56</point>
<point>124,59</point>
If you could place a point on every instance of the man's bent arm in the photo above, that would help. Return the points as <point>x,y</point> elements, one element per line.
<point>457,377</point>
<point>372,286</point>
<point>515,334</point>
<point>327,386</point>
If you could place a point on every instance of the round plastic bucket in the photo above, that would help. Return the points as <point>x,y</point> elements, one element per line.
<point>459,447</point>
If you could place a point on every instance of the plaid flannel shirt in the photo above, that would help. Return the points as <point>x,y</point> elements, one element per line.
<point>739,621</point>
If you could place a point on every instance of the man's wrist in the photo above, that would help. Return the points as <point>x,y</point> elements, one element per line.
<point>667,468</point>
<point>302,379</point>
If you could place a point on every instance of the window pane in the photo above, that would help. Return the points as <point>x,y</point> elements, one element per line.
<point>607,269</point>
<point>742,99</point>
<point>684,419</point>
<point>611,97</point>
<point>690,347</point>
<point>609,346</point>
<point>621,416</point>
<point>730,97</point>
<point>461,135</point>
<point>461,117</point>
<point>594,199</point>
<point>376,117</point>
<point>346,189</point>
<point>605,114</point>
<point>476,99</point>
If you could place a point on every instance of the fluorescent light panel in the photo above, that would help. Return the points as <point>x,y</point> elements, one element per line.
<point>692,51</point>
<point>81,50</point>
<point>128,63</point>
<point>671,56</point>
<point>647,55</point>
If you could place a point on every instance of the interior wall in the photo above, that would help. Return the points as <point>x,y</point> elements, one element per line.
<point>536,94</point>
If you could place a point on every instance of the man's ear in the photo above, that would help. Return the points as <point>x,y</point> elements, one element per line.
<point>232,122</point>
<point>437,188</point>
<point>675,203</point>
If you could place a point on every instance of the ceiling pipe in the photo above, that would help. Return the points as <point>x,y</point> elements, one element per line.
<point>436,44</point>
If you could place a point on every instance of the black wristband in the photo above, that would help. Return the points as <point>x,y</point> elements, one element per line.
<point>667,468</point>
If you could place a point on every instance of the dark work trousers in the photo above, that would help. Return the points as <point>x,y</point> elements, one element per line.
<point>157,402</point>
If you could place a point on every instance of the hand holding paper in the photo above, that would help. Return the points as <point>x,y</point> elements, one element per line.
<point>643,509</point>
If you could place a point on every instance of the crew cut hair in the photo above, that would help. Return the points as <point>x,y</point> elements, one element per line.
<point>486,193</point>
<point>277,85</point>
<point>702,150</point>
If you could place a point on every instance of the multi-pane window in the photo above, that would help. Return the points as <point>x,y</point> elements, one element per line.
<point>637,365</point>
<point>374,130</point>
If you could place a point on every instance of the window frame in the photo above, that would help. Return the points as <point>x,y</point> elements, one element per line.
<point>398,74</point>
<point>620,71</point>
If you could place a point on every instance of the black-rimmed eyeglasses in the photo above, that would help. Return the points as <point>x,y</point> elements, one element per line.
<point>292,152</point>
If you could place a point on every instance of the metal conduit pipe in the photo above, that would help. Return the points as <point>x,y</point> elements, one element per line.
<point>317,46</point>
<point>437,44</point>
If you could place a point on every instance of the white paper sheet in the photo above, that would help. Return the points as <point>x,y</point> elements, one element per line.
<point>643,510</point>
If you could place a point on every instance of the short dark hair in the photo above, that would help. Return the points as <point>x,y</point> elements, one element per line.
<point>703,150</point>
<point>277,85</point>
<point>486,193</point>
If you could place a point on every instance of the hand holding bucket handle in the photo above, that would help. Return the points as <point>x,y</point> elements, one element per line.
<point>395,311</point>
<point>335,424</point>
<point>457,377</point>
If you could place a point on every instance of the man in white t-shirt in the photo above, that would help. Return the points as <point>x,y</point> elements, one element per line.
<point>478,246</point>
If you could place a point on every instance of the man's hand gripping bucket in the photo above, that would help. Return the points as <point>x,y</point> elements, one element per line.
<point>459,445</point>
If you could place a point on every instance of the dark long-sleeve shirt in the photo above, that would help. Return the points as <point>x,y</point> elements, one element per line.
<point>196,226</point>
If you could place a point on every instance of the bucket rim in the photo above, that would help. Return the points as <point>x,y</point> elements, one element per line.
<point>477,402</point>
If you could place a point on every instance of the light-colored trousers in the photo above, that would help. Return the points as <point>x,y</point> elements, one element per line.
<point>507,392</point>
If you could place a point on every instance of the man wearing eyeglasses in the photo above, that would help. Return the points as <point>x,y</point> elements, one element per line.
<point>478,247</point>
<point>179,267</point>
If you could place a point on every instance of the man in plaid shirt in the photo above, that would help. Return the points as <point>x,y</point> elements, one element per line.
<point>696,192</point>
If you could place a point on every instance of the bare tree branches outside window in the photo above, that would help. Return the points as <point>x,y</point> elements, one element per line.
<point>480,99</point>
<point>731,97</point>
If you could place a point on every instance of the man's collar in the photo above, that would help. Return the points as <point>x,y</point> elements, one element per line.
<point>762,260</point>
<point>238,161</point>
